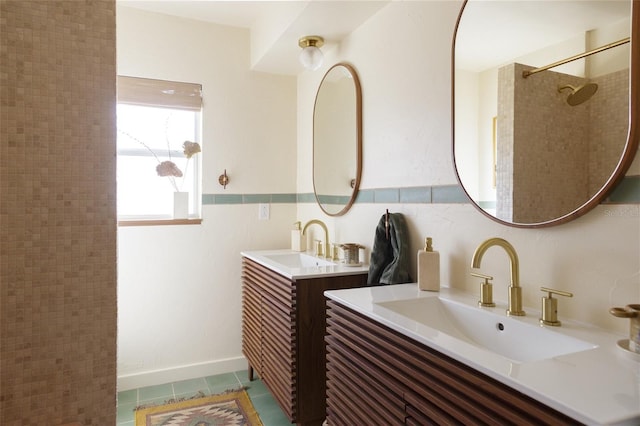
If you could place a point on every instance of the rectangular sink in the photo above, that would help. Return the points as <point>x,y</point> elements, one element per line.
<point>298,260</point>
<point>508,337</point>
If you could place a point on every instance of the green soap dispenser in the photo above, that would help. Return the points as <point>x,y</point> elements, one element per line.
<point>428,267</point>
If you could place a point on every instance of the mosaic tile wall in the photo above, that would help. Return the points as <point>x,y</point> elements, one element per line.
<point>609,126</point>
<point>57,212</point>
<point>504,143</point>
<point>586,140</point>
<point>560,135</point>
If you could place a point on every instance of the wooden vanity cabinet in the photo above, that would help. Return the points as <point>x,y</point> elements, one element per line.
<point>283,330</point>
<point>377,376</point>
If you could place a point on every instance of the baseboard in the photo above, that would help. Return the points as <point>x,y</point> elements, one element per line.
<point>185,372</point>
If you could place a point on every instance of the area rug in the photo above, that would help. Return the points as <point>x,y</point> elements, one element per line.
<point>228,409</point>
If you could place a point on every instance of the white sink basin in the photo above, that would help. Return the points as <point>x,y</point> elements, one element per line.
<point>298,260</point>
<point>502,335</point>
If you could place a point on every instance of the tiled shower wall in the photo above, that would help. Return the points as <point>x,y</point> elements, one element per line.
<point>550,132</point>
<point>608,123</point>
<point>558,136</point>
<point>57,212</point>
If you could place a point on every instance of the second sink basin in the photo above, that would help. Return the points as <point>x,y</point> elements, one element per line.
<point>298,260</point>
<point>505,336</point>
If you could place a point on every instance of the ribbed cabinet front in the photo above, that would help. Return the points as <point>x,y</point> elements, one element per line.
<point>377,376</point>
<point>269,331</point>
<point>283,330</point>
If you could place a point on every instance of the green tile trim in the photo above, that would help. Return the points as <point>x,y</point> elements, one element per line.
<point>207,199</point>
<point>334,199</point>
<point>284,198</point>
<point>448,194</point>
<point>365,196</point>
<point>387,195</point>
<point>487,204</point>
<point>308,197</point>
<point>420,194</point>
<point>256,198</point>
<point>227,199</point>
<point>627,192</point>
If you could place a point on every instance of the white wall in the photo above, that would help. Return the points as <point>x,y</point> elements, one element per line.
<point>179,288</point>
<point>469,146</point>
<point>179,295</point>
<point>403,57</point>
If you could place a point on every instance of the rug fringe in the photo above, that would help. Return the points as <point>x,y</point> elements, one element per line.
<point>200,394</point>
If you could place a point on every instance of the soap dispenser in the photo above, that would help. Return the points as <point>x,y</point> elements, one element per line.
<point>428,267</point>
<point>298,240</point>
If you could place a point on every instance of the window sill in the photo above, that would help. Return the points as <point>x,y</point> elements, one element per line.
<point>159,222</point>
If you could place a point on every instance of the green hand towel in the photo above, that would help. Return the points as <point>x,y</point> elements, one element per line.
<point>390,257</point>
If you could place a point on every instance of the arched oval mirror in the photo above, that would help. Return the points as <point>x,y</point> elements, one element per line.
<point>337,140</point>
<point>545,104</point>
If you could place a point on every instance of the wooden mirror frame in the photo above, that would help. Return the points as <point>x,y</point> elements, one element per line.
<point>630,148</point>
<point>358,116</point>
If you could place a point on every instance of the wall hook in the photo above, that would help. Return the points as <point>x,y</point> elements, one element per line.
<point>224,179</point>
<point>386,224</point>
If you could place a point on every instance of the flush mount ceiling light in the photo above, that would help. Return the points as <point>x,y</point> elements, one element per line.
<point>311,56</point>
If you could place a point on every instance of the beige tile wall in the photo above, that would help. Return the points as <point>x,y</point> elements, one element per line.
<point>551,151</point>
<point>563,154</point>
<point>57,212</point>
<point>609,126</point>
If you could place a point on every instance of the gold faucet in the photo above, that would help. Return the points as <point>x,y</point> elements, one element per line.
<point>515,291</point>
<point>326,235</point>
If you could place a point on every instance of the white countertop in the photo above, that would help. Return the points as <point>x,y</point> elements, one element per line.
<point>597,386</point>
<point>338,269</point>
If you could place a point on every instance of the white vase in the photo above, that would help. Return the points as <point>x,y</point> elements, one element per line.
<point>180,205</point>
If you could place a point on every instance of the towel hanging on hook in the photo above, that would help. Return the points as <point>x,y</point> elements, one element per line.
<point>390,255</point>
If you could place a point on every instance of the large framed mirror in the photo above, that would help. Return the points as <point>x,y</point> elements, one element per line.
<point>545,105</point>
<point>337,140</point>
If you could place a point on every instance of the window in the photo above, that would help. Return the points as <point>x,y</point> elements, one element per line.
<point>155,118</point>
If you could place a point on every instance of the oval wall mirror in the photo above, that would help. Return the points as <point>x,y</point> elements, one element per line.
<point>337,140</point>
<point>545,104</point>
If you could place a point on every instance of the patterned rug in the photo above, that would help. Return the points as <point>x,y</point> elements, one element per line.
<point>228,409</point>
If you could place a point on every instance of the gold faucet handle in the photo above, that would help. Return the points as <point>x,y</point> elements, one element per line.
<point>334,252</point>
<point>628,312</point>
<point>550,306</point>
<point>486,278</point>
<point>486,290</point>
<point>558,292</point>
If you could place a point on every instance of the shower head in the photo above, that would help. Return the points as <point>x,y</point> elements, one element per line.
<point>579,94</point>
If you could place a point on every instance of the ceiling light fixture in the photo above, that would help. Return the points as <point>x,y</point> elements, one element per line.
<point>311,56</point>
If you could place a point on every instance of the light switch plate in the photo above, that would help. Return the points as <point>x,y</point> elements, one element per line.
<point>263,211</point>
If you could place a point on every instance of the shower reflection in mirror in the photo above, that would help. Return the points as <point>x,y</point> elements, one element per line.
<point>541,127</point>
<point>558,131</point>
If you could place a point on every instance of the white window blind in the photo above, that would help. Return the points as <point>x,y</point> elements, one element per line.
<point>159,93</point>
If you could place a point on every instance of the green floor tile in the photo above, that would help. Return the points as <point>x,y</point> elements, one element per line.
<point>155,392</point>
<point>266,406</point>
<point>256,388</point>
<point>190,387</point>
<point>125,412</point>
<point>193,394</point>
<point>128,397</point>
<point>269,410</point>
<point>222,382</point>
<point>243,376</point>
